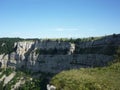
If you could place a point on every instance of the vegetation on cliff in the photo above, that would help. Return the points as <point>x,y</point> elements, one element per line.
<point>7,45</point>
<point>21,81</point>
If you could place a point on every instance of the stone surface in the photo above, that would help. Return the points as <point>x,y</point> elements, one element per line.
<point>25,55</point>
<point>51,87</point>
<point>112,39</point>
<point>2,78</point>
<point>20,82</point>
<point>7,79</point>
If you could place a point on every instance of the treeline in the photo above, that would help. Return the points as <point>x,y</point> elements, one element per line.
<point>7,44</point>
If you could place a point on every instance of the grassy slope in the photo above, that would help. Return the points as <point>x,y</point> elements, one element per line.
<point>106,78</point>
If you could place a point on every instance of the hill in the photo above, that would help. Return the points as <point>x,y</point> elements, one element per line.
<point>106,78</point>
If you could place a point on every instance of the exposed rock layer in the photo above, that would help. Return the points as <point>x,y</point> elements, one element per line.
<point>61,55</point>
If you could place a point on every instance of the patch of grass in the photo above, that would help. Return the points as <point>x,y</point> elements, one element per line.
<point>106,78</point>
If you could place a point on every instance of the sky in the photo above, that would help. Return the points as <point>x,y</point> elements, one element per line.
<point>59,18</point>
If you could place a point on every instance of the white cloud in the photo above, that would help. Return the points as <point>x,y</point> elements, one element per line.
<point>66,29</point>
<point>60,29</point>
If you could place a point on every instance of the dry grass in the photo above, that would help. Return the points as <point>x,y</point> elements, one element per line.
<point>106,78</point>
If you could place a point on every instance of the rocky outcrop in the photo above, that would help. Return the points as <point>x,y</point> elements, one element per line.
<point>25,55</point>
<point>51,87</point>
<point>55,56</point>
<point>103,41</point>
<point>7,79</point>
<point>3,60</point>
<point>57,63</point>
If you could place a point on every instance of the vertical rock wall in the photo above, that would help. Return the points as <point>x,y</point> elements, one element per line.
<point>26,55</point>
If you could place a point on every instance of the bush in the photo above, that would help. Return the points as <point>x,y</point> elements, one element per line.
<point>31,85</point>
<point>8,71</point>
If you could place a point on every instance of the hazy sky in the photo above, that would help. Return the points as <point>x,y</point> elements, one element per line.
<point>59,18</point>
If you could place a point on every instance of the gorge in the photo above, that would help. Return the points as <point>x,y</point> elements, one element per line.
<point>52,56</point>
<point>55,55</point>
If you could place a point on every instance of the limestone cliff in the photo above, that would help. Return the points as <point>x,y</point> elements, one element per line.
<point>55,56</point>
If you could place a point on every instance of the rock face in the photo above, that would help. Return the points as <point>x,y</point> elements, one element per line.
<point>104,41</point>
<point>55,56</point>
